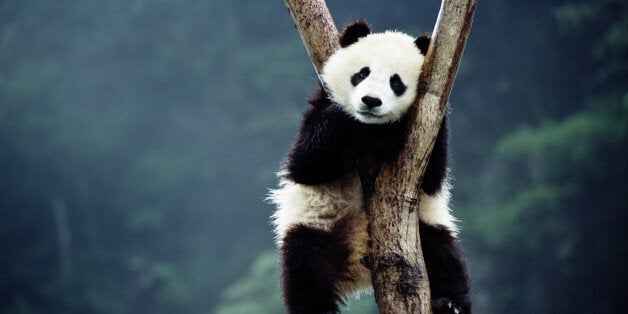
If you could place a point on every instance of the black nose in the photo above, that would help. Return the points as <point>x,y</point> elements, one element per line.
<point>371,102</point>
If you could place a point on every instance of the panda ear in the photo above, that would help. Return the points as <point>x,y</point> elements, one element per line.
<point>423,42</point>
<point>353,32</point>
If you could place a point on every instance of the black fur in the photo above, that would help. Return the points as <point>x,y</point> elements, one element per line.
<point>423,42</point>
<point>353,32</point>
<point>436,170</point>
<point>449,281</point>
<point>320,99</point>
<point>357,78</point>
<point>397,85</point>
<point>330,143</point>
<point>317,155</point>
<point>313,262</point>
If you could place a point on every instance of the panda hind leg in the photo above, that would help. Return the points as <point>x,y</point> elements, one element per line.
<point>313,261</point>
<point>321,268</point>
<point>449,281</point>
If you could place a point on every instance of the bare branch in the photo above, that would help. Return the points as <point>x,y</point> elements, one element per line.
<point>316,27</point>
<point>399,275</point>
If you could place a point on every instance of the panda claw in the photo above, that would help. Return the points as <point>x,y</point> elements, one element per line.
<point>449,306</point>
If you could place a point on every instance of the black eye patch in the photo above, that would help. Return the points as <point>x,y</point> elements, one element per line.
<point>397,85</point>
<point>360,76</point>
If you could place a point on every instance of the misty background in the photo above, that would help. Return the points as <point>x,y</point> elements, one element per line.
<point>138,140</point>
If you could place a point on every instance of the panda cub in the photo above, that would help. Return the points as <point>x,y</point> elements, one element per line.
<point>356,121</point>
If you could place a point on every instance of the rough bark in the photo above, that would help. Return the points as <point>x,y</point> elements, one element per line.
<point>399,277</point>
<point>316,27</point>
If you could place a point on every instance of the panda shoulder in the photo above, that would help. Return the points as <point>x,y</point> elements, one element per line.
<point>320,99</point>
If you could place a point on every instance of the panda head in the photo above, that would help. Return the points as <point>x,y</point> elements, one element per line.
<point>374,76</point>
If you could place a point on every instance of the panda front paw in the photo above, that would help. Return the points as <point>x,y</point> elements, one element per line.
<point>450,306</point>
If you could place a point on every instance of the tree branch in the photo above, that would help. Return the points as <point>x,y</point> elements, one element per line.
<point>316,27</point>
<point>399,275</point>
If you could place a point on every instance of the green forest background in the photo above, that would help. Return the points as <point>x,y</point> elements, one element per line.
<point>138,139</point>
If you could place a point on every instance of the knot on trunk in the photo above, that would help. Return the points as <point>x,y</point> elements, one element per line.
<point>405,276</point>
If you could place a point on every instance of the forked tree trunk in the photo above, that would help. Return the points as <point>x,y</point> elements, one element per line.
<point>399,276</point>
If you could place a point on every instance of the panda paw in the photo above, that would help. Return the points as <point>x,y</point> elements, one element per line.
<point>450,306</point>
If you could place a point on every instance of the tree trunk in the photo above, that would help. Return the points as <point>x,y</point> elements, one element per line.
<point>399,276</point>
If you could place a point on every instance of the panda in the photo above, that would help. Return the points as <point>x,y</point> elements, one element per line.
<point>357,120</point>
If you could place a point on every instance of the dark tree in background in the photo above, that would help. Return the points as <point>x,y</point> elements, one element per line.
<point>138,138</point>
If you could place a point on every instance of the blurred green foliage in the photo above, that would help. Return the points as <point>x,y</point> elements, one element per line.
<point>138,139</point>
<point>256,291</point>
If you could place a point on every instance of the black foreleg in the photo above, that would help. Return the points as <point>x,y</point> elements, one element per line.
<point>312,262</point>
<point>449,281</point>
<point>318,152</point>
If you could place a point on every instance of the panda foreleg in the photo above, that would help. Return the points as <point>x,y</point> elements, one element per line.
<point>317,154</point>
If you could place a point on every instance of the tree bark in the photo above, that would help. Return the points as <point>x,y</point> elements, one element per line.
<point>399,276</point>
<point>316,27</point>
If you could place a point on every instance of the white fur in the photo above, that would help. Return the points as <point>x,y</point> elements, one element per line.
<point>320,206</point>
<point>385,54</point>
<point>315,206</point>
<point>434,210</point>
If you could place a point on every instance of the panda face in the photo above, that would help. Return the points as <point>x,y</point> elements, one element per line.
<point>375,79</point>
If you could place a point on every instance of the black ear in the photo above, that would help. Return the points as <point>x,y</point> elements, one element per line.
<point>353,32</point>
<point>423,42</point>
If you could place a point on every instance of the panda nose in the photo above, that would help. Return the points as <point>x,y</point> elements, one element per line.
<point>371,102</point>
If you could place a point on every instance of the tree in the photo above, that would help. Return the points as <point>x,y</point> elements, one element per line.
<point>394,233</point>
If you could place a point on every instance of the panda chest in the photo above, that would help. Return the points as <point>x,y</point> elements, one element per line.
<point>375,144</point>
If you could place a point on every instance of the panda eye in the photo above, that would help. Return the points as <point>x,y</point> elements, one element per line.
<point>357,78</point>
<point>364,72</point>
<point>397,85</point>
